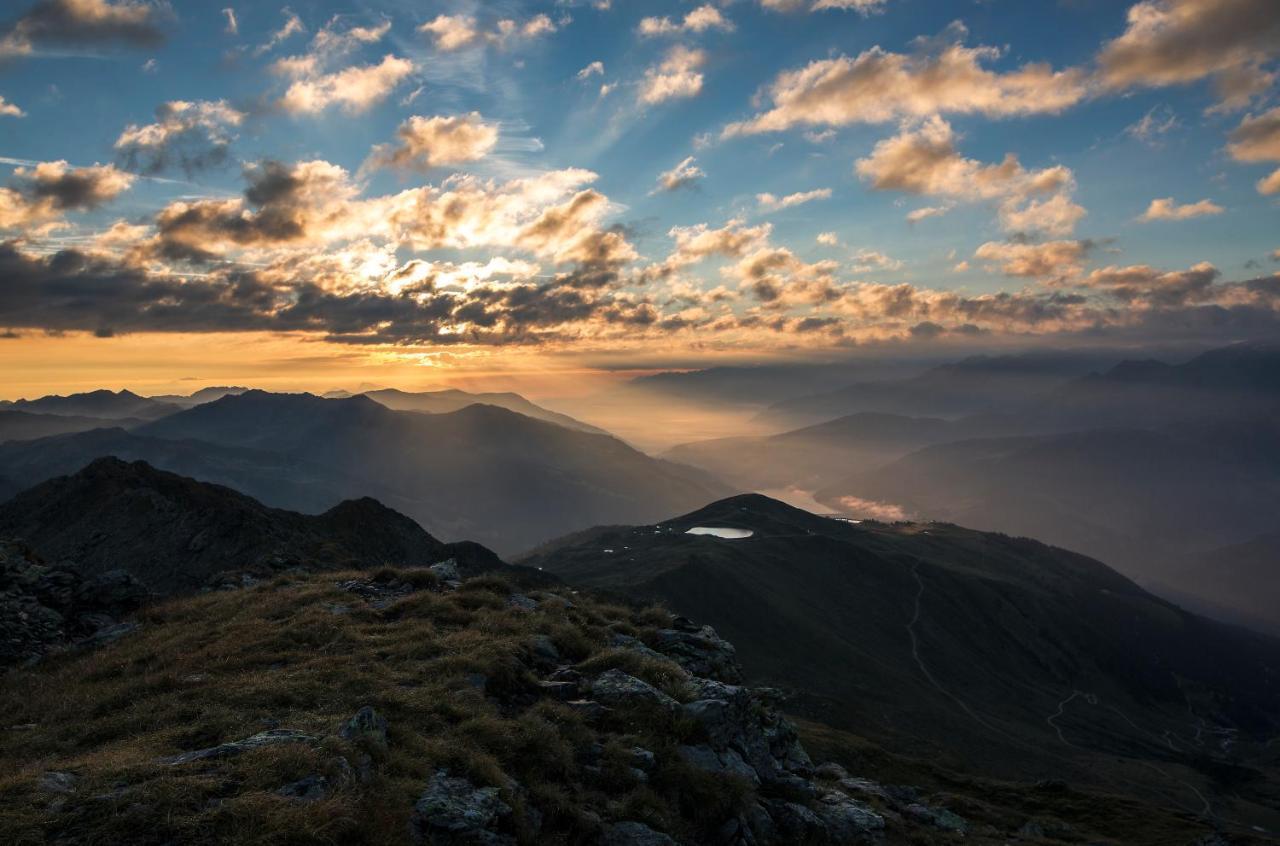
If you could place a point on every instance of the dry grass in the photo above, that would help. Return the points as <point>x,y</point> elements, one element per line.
<point>300,653</point>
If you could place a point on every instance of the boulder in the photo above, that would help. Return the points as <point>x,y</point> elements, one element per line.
<point>446,571</point>
<point>616,688</point>
<point>847,820</point>
<point>367,723</point>
<point>271,737</point>
<point>702,652</point>
<point>452,810</point>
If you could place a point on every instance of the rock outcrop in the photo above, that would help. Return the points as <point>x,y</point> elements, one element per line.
<point>46,607</point>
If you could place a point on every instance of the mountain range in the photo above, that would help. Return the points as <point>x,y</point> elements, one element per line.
<point>482,472</point>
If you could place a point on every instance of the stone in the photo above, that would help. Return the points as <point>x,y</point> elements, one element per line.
<point>936,817</point>
<point>622,641</point>
<point>446,571</point>
<point>796,823</point>
<point>847,820</point>
<point>57,782</point>
<point>864,787</point>
<point>520,602</point>
<point>614,687</point>
<point>452,810</point>
<point>367,723</point>
<point>632,833</point>
<point>700,651</point>
<point>561,691</point>
<point>271,737</point>
<point>723,763</point>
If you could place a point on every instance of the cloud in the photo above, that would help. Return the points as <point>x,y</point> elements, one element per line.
<point>41,194</point>
<point>1148,287</point>
<point>1173,42</point>
<point>190,135</point>
<point>427,142</point>
<point>233,25</point>
<point>1048,261</point>
<point>292,26</point>
<point>596,68</point>
<point>684,175</point>
<point>457,32</point>
<point>1257,139</point>
<point>771,203</point>
<point>1166,209</point>
<point>356,89</point>
<point>866,261</point>
<point>828,239</point>
<point>701,19</point>
<point>733,240</point>
<point>925,212</point>
<point>1157,122</point>
<point>84,23</point>
<point>314,206</point>
<point>944,76</point>
<point>865,7</point>
<point>777,277</point>
<point>8,109</point>
<point>923,160</point>
<point>676,76</point>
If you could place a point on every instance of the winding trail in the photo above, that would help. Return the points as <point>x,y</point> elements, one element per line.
<point>915,654</point>
<point>1091,698</point>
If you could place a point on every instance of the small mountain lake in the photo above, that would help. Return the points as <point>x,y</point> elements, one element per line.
<point>721,532</point>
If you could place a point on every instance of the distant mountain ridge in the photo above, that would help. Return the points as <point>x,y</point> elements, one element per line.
<point>174,533</point>
<point>29,425</point>
<point>448,401</point>
<point>496,476</point>
<point>975,385</point>
<point>109,405</point>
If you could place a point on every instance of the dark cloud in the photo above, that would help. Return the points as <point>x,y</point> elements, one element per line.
<point>85,23</point>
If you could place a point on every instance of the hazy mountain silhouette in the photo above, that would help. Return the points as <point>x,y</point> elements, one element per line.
<point>1137,498</point>
<point>486,473</point>
<point>26,425</point>
<point>1239,382</point>
<point>818,455</point>
<point>1240,580</point>
<point>110,405</point>
<point>978,384</point>
<point>201,396</point>
<point>995,653</point>
<point>174,533</point>
<point>444,402</point>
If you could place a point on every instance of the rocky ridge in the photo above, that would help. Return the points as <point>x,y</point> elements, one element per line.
<point>46,607</point>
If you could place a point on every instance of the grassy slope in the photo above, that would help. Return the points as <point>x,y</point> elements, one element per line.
<point>221,667</point>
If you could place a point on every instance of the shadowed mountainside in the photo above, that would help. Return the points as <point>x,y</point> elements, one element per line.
<point>994,653</point>
<point>175,534</point>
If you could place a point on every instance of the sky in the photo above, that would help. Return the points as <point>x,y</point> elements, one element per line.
<point>554,193</point>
